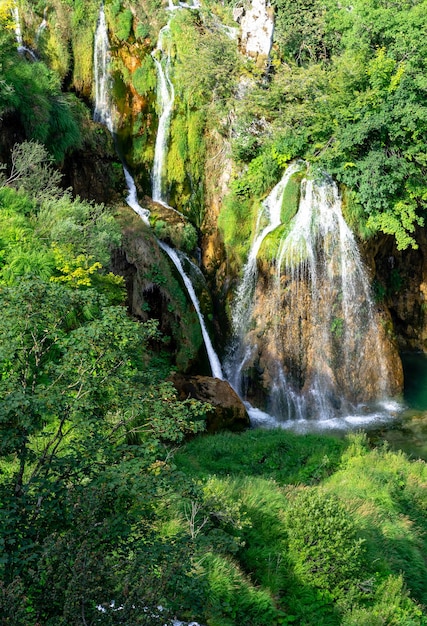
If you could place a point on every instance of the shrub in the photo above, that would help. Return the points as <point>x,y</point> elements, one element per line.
<point>323,541</point>
<point>123,24</point>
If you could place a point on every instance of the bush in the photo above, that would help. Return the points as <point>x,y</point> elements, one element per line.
<point>122,25</point>
<point>323,541</point>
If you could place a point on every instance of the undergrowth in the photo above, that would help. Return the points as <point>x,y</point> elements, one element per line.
<point>327,531</point>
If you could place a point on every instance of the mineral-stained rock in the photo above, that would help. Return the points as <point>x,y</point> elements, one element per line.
<point>228,412</point>
<point>402,278</point>
<point>256,26</point>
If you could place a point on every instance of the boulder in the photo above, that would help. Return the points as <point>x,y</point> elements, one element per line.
<point>228,412</point>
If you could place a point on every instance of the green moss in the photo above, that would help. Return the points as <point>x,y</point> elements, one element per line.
<point>236,222</point>
<point>291,198</point>
<point>269,249</point>
<point>178,151</point>
<point>122,25</point>
<point>144,78</point>
<point>196,143</point>
<point>82,43</point>
<point>183,236</point>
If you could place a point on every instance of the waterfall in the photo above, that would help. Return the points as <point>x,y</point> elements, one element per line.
<point>18,31</point>
<point>103,112</point>
<point>322,343</point>
<point>213,358</point>
<point>22,49</point>
<point>270,211</point>
<point>42,27</point>
<point>132,198</point>
<point>165,95</point>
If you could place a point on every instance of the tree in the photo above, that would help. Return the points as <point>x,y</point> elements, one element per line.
<point>32,171</point>
<point>76,387</point>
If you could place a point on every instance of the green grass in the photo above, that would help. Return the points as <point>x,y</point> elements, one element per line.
<point>326,530</point>
<point>279,455</point>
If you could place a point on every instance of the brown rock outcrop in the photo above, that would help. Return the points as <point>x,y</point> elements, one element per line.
<point>402,279</point>
<point>228,412</point>
<point>154,291</point>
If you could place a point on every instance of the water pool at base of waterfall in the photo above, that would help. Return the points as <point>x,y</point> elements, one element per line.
<point>401,424</point>
<point>362,418</point>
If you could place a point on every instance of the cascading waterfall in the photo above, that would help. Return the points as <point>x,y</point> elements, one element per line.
<point>270,211</point>
<point>322,343</point>
<point>22,49</point>
<point>104,113</point>
<point>42,27</point>
<point>18,31</point>
<point>212,356</point>
<point>165,96</point>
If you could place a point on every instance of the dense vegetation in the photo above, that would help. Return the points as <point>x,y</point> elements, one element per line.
<point>108,510</point>
<point>346,91</point>
<point>86,419</point>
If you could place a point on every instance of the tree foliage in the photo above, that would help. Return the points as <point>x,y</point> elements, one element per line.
<point>86,420</point>
<point>347,92</point>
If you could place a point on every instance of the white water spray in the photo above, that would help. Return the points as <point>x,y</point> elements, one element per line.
<point>103,112</point>
<point>165,97</point>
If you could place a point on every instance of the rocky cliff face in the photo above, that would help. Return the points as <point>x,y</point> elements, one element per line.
<point>154,291</point>
<point>256,29</point>
<point>402,284</point>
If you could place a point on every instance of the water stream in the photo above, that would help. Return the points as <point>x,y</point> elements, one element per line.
<point>42,27</point>
<point>22,48</point>
<point>213,357</point>
<point>323,343</point>
<point>268,219</point>
<point>104,111</point>
<point>165,96</point>
<point>105,114</point>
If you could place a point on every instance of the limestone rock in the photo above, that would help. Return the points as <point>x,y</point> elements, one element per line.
<point>402,276</point>
<point>256,29</point>
<point>154,291</point>
<point>228,412</point>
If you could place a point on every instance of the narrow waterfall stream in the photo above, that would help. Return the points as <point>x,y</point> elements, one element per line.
<point>213,357</point>
<point>42,27</point>
<point>165,96</point>
<point>104,113</point>
<point>22,48</point>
